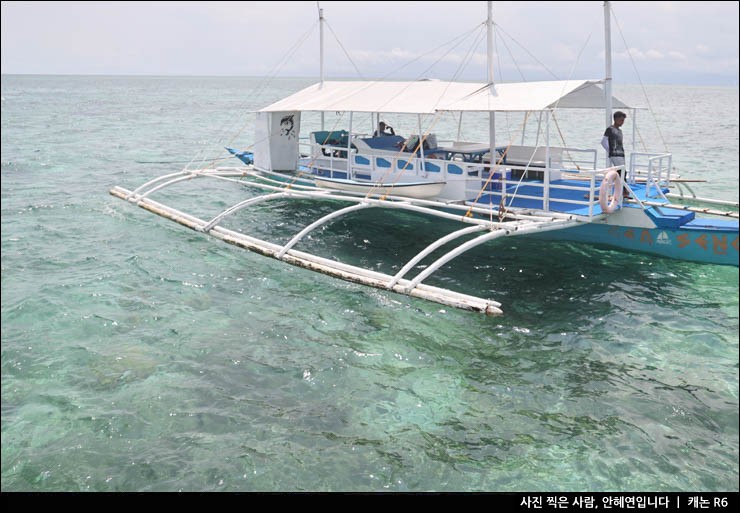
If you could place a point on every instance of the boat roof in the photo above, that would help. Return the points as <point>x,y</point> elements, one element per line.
<point>431,96</point>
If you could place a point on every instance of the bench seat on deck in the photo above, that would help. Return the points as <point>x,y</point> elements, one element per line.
<point>384,142</point>
<point>522,160</point>
<point>330,138</point>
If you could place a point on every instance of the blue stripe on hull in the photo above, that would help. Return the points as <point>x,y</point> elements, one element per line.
<point>713,246</point>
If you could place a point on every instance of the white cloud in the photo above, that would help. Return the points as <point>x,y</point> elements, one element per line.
<point>702,49</point>
<point>677,56</point>
<point>654,54</point>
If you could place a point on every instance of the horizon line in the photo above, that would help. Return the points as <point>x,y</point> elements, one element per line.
<point>303,77</point>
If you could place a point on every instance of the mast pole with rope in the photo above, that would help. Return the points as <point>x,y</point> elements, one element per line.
<point>321,53</point>
<point>608,71</point>
<point>491,85</point>
<point>489,41</point>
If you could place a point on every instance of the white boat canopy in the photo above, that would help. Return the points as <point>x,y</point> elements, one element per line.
<point>431,96</point>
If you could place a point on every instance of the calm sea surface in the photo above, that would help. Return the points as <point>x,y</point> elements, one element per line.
<point>138,355</point>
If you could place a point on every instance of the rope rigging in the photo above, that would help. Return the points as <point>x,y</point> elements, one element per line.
<point>642,86</point>
<point>261,86</point>
<point>476,34</point>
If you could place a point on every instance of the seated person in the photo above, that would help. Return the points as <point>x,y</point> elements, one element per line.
<point>411,144</point>
<point>384,129</point>
<point>329,142</point>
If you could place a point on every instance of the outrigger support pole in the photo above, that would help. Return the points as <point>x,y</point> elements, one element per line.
<point>528,227</point>
<point>438,243</point>
<point>181,177</point>
<point>242,204</point>
<point>456,252</point>
<point>316,224</point>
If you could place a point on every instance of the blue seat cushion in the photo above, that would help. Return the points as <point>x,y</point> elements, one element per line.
<point>385,142</point>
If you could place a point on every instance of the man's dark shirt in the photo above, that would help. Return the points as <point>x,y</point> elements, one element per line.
<point>614,135</point>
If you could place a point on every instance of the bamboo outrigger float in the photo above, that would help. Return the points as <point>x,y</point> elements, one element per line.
<point>522,224</point>
<point>560,193</point>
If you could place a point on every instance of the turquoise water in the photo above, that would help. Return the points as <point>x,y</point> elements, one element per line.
<point>138,355</point>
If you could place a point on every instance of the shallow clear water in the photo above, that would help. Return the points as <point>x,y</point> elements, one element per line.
<point>138,355</point>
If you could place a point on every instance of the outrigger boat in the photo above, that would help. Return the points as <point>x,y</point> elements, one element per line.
<point>494,190</point>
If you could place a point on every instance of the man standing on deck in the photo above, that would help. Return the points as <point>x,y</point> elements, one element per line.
<point>612,143</point>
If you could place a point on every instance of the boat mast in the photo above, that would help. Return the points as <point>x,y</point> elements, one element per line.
<point>608,75</point>
<point>491,85</point>
<point>489,40</point>
<point>321,44</point>
<point>321,54</point>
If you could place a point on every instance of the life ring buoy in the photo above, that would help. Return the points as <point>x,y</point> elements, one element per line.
<point>610,193</point>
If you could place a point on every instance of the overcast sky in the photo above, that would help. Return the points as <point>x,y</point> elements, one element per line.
<point>669,42</point>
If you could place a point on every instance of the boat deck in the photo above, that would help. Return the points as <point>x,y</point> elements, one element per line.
<point>528,195</point>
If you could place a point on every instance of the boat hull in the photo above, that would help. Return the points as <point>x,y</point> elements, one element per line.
<point>707,241</point>
<point>709,245</point>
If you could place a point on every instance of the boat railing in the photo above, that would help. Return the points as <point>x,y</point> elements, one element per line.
<point>388,167</point>
<point>384,165</point>
<point>655,167</point>
<point>330,158</point>
<point>479,181</point>
<point>573,160</point>
<point>522,173</point>
<point>578,195</point>
<point>447,165</point>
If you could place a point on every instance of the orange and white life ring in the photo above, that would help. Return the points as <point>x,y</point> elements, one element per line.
<point>610,193</point>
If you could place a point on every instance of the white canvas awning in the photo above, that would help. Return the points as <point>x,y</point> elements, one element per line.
<point>535,96</point>
<point>430,96</point>
<point>422,97</point>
